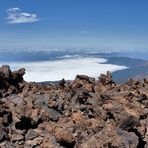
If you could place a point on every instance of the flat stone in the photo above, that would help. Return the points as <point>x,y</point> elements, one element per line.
<point>34,142</point>
<point>31,134</point>
<point>17,137</point>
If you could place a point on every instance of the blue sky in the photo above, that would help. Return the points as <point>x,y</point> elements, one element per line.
<point>97,24</point>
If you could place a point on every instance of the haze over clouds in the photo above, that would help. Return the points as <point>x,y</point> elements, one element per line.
<point>16,16</point>
<point>67,68</point>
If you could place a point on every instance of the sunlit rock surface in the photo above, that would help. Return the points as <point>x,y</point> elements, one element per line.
<point>83,113</point>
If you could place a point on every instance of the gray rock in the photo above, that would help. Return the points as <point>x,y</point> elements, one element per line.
<point>31,134</point>
<point>3,134</point>
<point>129,139</point>
<point>128,121</point>
<point>5,70</point>
<point>17,137</point>
<point>21,71</point>
<point>53,114</point>
<point>41,101</point>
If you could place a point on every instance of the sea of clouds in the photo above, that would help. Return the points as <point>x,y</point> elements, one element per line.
<point>54,70</point>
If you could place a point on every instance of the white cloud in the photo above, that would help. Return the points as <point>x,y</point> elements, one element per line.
<point>65,68</point>
<point>16,16</point>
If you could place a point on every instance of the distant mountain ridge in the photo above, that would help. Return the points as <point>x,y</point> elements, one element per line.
<point>137,67</point>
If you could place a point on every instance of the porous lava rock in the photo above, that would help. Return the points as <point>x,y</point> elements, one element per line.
<point>82,113</point>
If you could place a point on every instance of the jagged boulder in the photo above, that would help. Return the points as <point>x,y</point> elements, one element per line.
<point>83,113</point>
<point>9,81</point>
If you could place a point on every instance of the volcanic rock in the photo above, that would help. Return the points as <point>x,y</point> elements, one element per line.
<point>83,113</point>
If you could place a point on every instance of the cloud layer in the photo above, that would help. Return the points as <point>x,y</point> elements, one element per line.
<point>65,68</point>
<point>16,16</point>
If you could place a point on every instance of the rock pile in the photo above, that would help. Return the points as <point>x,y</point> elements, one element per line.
<point>9,81</point>
<point>83,113</point>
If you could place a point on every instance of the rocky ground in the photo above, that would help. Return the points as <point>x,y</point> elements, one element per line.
<point>83,113</point>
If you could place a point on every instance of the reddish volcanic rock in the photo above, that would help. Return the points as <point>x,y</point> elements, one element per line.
<point>83,113</point>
